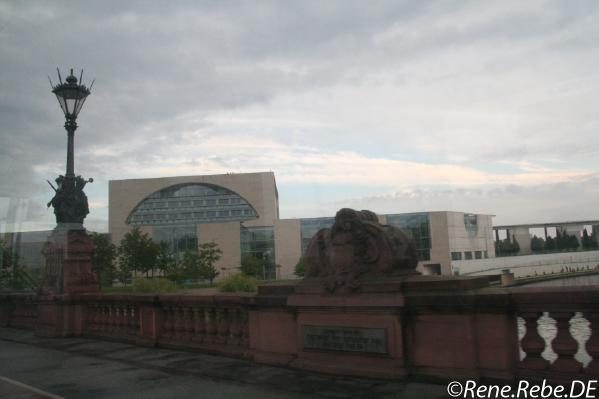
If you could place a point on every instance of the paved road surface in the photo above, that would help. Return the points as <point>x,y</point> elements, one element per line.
<point>84,368</point>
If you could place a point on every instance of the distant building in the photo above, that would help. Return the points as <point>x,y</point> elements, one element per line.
<point>240,212</point>
<point>27,245</point>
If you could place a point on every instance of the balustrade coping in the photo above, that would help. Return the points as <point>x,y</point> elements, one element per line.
<point>584,298</point>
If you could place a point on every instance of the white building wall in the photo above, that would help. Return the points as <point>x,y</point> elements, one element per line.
<point>525,265</point>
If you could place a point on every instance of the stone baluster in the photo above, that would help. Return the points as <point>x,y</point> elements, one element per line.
<point>118,318</point>
<point>564,345</point>
<point>97,317</point>
<point>179,315</point>
<point>128,309</point>
<point>189,323</point>
<point>245,328</point>
<point>592,345</point>
<point>111,318</point>
<point>210,320</point>
<point>128,327</point>
<point>222,322</point>
<point>235,327</point>
<point>199,325</point>
<point>122,318</point>
<point>532,343</point>
<point>107,319</point>
<point>104,309</point>
<point>167,331</point>
<point>135,320</point>
<point>90,315</point>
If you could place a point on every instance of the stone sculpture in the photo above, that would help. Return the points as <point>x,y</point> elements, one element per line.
<point>356,248</point>
<point>69,201</point>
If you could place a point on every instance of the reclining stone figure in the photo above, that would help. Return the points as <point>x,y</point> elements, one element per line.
<point>357,248</point>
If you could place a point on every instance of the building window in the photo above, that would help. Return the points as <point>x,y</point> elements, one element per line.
<point>309,227</point>
<point>198,209</point>
<point>486,254</point>
<point>417,227</point>
<point>468,255</point>
<point>471,224</point>
<point>259,242</point>
<point>456,256</point>
<point>180,239</point>
<point>478,254</point>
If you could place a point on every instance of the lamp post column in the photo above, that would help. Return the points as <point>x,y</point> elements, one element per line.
<point>70,125</point>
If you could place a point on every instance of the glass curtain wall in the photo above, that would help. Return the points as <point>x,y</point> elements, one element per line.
<point>179,238</point>
<point>309,227</point>
<point>416,226</point>
<point>259,242</point>
<point>191,204</point>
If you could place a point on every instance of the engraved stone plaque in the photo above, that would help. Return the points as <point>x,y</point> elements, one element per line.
<point>347,339</point>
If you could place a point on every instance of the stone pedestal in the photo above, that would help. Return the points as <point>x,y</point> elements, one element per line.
<point>68,252</point>
<point>358,334</point>
<point>429,326</point>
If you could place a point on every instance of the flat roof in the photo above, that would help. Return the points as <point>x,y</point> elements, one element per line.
<point>547,224</point>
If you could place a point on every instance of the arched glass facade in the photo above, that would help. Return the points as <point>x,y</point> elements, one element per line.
<point>191,203</point>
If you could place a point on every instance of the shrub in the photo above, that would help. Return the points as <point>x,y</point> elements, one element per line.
<point>300,268</point>
<point>237,283</point>
<point>251,266</point>
<point>154,285</point>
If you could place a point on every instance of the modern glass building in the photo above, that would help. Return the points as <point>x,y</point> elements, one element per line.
<point>240,212</point>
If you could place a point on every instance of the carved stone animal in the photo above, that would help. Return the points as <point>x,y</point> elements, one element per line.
<point>358,247</point>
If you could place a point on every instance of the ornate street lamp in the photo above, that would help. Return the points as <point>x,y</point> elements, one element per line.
<point>70,202</point>
<point>71,97</point>
<point>69,249</point>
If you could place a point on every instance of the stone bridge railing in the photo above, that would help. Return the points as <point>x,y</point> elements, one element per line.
<point>422,331</point>
<point>564,307</point>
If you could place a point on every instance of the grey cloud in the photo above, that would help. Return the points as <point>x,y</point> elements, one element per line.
<point>156,62</point>
<point>510,203</point>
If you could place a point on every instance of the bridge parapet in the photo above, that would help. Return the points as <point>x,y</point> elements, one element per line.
<point>389,330</point>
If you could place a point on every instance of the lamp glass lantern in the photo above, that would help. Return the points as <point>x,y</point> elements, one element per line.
<point>71,96</point>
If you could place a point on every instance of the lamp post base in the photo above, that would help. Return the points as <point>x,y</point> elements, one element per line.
<point>68,252</point>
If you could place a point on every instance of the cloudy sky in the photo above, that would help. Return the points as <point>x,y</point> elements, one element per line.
<point>487,107</point>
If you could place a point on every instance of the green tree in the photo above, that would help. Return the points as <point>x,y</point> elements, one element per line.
<point>550,244</point>
<point>137,254</point>
<point>572,242</point>
<point>589,241</point>
<point>191,264</point>
<point>300,267</point>
<point>515,246</point>
<point>560,241</point>
<point>251,266</point>
<point>593,241</point>
<point>167,263</point>
<point>13,276</point>
<point>103,259</point>
<point>537,244</point>
<point>209,254</point>
<point>9,259</point>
